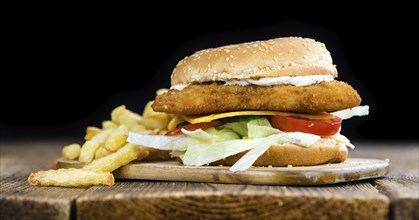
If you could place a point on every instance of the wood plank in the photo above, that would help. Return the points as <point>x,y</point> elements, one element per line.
<point>19,200</point>
<point>181,200</point>
<point>404,195</point>
<point>403,157</point>
<point>350,170</point>
<point>401,185</point>
<point>27,156</point>
<point>147,199</point>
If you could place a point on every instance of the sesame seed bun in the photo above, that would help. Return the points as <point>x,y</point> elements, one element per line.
<point>326,151</point>
<point>290,56</point>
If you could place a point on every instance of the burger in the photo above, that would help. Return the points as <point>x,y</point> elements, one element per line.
<point>262,103</point>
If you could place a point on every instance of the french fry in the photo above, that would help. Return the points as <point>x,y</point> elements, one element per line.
<point>138,128</point>
<point>123,116</point>
<point>89,148</point>
<point>161,91</point>
<point>155,120</point>
<point>117,139</point>
<point>113,161</point>
<point>109,125</point>
<point>143,153</point>
<point>71,177</point>
<point>91,132</point>
<point>102,152</point>
<point>106,149</point>
<point>71,152</point>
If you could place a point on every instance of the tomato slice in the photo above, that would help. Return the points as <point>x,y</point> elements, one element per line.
<point>193,127</point>
<point>324,127</point>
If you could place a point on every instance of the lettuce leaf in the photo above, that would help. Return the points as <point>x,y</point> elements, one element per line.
<point>349,113</point>
<point>199,154</point>
<point>238,127</point>
<point>257,131</point>
<point>292,137</point>
<point>200,135</point>
<point>342,139</point>
<point>160,142</point>
<point>223,134</point>
<point>204,153</point>
<point>255,128</point>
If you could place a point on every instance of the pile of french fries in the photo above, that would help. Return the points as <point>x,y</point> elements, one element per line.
<point>105,149</point>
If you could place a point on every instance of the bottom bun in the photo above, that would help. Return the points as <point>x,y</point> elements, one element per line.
<point>278,155</point>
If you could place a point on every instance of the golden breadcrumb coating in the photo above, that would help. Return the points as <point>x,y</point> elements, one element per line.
<point>216,98</point>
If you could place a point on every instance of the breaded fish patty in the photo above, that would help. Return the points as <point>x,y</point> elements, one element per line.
<point>216,98</point>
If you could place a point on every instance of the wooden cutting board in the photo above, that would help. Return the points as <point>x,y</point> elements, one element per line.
<point>350,170</point>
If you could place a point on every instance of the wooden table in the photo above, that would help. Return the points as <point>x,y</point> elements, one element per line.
<point>393,197</point>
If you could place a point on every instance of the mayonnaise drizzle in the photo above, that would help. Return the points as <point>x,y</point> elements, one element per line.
<point>271,81</point>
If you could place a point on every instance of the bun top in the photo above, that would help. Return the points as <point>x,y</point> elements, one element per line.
<point>289,56</point>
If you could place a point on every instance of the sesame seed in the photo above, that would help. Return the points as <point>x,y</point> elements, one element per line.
<point>231,56</point>
<point>228,58</point>
<point>244,51</point>
<point>255,45</point>
<point>231,64</point>
<point>271,48</point>
<point>227,50</point>
<point>275,59</point>
<point>309,48</point>
<point>254,51</point>
<point>291,51</point>
<point>209,65</point>
<point>305,57</point>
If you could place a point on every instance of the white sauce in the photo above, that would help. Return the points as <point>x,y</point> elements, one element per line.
<point>271,81</point>
<point>178,87</point>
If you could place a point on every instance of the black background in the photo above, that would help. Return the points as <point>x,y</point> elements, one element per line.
<point>68,69</point>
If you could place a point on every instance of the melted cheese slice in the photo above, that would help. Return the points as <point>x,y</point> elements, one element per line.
<point>212,117</point>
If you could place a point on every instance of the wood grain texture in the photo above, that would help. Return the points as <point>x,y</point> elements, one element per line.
<point>350,170</point>
<point>404,193</point>
<point>394,196</point>
<point>401,185</point>
<point>19,200</point>
<point>403,157</point>
<point>170,200</point>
